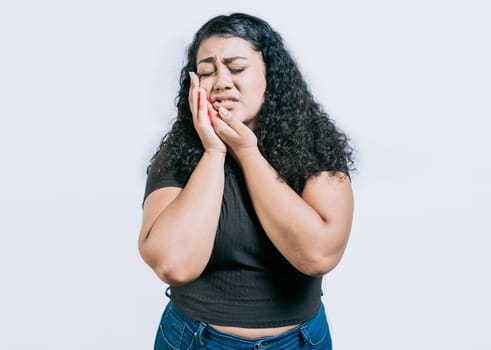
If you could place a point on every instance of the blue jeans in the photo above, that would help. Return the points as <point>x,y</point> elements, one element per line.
<point>178,332</point>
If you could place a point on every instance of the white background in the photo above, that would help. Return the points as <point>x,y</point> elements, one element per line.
<point>87,90</point>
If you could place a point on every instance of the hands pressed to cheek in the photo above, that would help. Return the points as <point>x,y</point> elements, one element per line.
<point>209,106</point>
<point>234,133</point>
<point>202,114</point>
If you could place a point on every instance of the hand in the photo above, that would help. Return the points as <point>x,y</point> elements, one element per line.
<point>240,140</point>
<point>203,115</point>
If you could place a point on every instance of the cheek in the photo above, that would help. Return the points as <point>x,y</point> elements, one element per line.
<point>256,89</point>
<point>259,93</point>
<point>203,83</point>
<point>260,87</point>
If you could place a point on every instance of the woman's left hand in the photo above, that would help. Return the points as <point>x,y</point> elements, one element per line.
<point>241,140</point>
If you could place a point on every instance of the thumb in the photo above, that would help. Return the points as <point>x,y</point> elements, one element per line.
<point>232,121</point>
<point>224,114</point>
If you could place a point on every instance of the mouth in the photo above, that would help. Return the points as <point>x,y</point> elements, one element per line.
<point>226,103</point>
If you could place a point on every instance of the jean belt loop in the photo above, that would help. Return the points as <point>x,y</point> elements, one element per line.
<point>304,334</point>
<point>199,333</point>
<point>258,345</point>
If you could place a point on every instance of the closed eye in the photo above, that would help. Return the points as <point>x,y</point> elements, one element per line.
<point>232,70</point>
<point>200,75</point>
<point>237,70</point>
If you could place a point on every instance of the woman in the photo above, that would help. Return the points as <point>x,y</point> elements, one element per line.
<point>248,201</point>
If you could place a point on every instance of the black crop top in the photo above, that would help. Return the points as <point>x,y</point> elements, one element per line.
<point>247,282</point>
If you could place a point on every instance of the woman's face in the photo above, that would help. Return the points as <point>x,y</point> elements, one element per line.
<point>234,76</point>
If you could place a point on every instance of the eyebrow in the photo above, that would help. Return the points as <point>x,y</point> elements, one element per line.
<point>225,60</point>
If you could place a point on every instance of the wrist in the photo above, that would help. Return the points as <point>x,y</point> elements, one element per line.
<point>247,155</point>
<point>215,153</point>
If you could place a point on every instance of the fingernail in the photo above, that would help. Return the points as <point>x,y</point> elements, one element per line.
<point>223,111</point>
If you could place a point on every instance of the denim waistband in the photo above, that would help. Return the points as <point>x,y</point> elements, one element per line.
<point>204,332</point>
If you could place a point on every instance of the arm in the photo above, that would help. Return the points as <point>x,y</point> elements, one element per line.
<point>179,225</point>
<point>311,230</point>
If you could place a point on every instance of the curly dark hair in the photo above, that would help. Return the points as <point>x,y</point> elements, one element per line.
<point>294,133</point>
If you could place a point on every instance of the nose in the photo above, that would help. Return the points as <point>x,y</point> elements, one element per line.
<point>223,80</point>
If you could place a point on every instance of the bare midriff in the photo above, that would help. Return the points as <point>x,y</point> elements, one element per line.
<point>253,333</point>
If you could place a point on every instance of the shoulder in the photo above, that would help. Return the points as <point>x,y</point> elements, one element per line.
<point>157,179</point>
<point>330,194</point>
<point>328,185</point>
<point>328,177</point>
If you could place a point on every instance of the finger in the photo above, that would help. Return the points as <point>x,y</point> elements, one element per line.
<point>202,106</point>
<point>224,131</point>
<point>212,113</point>
<point>234,123</point>
<point>209,115</point>
<point>193,93</point>
<point>194,79</point>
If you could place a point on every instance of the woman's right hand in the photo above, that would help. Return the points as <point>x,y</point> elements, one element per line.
<point>200,108</point>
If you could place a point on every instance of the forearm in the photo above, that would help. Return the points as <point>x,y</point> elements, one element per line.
<point>179,243</point>
<point>295,228</point>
